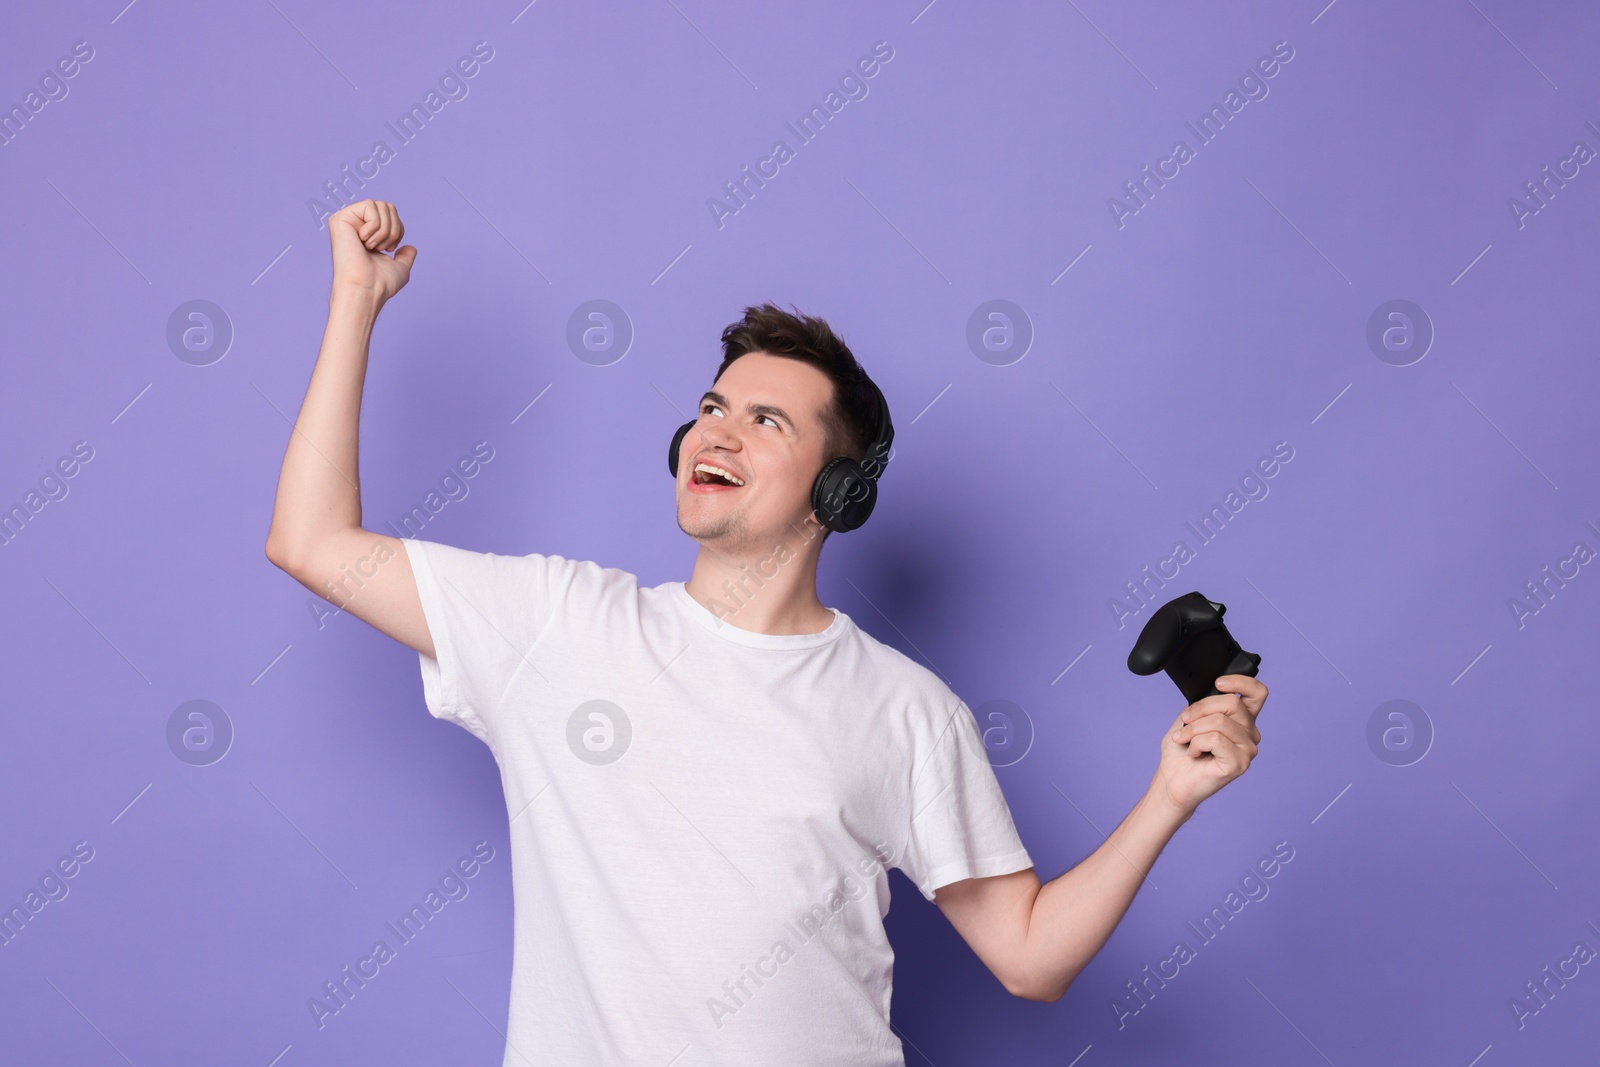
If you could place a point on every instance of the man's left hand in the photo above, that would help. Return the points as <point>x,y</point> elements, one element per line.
<point>1210,743</point>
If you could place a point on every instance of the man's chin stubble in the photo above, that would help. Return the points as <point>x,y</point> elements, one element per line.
<point>730,533</point>
<point>723,530</point>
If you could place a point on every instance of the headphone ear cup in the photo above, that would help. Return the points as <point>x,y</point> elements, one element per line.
<point>677,440</point>
<point>859,511</point>
<point>843,496</point>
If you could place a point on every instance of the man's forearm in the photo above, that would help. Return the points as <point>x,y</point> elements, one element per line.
<point>1073,915</point>
<point>318,487</point>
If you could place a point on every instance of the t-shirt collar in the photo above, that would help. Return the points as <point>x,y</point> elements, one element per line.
<point>727,630</point>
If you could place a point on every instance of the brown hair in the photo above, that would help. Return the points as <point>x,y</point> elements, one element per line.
<point>852,418</point>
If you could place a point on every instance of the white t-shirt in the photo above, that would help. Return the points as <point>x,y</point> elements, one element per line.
<point>698,861</point>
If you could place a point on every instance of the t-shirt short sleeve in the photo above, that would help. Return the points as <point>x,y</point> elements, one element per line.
<point>485,612</point>
<point>960,824</point>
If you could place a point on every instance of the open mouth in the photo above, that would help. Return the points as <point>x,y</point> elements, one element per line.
<point>709,475</point>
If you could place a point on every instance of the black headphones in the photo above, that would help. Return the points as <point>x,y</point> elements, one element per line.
<point>846,489</point>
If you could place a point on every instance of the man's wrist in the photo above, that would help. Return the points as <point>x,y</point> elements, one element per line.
<point>358,299</point>
<point>1162,807</point>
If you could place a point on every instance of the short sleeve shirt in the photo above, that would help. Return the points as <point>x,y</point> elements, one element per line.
<point>701,816</point>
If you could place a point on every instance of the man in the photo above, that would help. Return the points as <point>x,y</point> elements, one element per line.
<point>707,780</point>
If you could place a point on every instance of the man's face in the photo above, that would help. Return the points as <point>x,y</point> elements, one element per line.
<point>760,424</point>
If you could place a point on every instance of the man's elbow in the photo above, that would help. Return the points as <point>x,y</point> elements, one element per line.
<point>292,555</point>
<point>1046,997</point>
<point>279,556</point>
<point>1035,991</point>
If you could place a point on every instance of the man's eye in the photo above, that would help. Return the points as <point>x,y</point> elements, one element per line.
<point>770,419</point>
<point>708,409</point>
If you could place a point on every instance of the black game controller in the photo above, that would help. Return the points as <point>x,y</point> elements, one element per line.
<point>1187,638</point>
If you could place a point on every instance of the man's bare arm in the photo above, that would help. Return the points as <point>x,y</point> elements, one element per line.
<point>316,533</point>
<point>1036,939</point>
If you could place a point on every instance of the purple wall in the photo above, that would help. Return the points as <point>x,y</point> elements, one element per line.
<point>1148,351</point>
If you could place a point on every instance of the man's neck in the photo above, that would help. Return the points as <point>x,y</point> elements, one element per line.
<point>768,592</point>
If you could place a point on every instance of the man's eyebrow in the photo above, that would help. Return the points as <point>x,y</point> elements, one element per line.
<point>768,409</point>
<point>754,409</point>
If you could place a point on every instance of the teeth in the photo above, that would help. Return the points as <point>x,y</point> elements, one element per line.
<point>709,469</point>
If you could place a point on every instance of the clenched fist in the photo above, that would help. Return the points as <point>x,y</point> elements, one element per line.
<point>362,235</point>
<point>1211,742</point>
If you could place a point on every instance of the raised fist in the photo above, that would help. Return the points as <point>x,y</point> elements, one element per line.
<point>362,235</point>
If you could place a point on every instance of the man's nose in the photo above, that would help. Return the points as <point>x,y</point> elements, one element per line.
<point>716,434</point>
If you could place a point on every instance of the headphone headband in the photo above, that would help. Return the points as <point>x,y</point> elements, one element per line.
<point>877,457</point>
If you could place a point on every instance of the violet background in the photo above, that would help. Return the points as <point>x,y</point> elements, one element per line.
<point>1228,314</point>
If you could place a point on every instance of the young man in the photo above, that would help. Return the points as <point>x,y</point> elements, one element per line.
<point>707,780</point>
